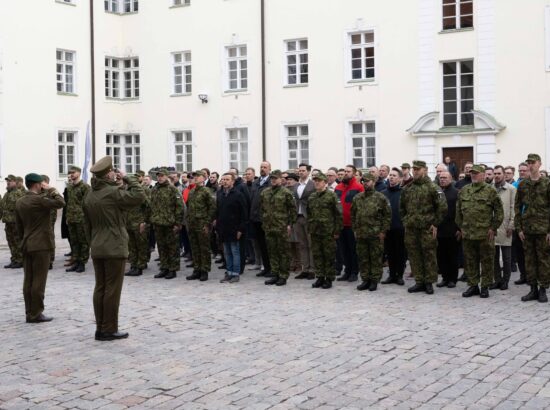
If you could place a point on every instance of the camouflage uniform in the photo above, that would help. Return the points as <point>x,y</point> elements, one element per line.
<point>8,217</point>
<point>278,211</point>
<point>138,244</point>
<point>167,212</point>
<point>324,222</point>
<point>201,212</point>
<point>370,216</point>
<point>75,221</point>
<point>478,209</point>
<point>422,205</point>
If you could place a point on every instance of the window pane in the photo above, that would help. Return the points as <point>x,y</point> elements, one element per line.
<point>449,107</point>
<point>449,120</point>
<point>304,130</point>
<point>291,46</point>
<point>303,44</point>
<point>371,127</point>
<point>466,21</point>
<point>292,131</point>
<point>467,67</point>
<point>356,39</point>
<point>449,94</point>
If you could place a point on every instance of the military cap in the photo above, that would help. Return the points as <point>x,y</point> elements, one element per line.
<point>33,178</point>
<point>320,176</point>
<point>74,168</point>
<point>405,165</point>
<point>18,179</point>
<point>199,173</point>
<point>140,173</point>
<point>419,164</point>
<point>533,158</point>
<point>102,166</point>
<point>276,174</point>
<point>162,171</point>
<point>292,175</point>
<point>477,168</point>
<point>367,176</point>
<point>10,177</point>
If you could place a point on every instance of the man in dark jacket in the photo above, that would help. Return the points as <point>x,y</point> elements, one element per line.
<point>104,216</point>
<point>467,178</point>
<point>262,183</point>
<point>240,186</point>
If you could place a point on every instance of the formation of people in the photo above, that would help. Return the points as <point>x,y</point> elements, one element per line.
<point>340,224</point>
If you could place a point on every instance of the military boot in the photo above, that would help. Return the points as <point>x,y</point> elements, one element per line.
<point>302,275</point>
<point>130,272</point>
<point>80,268</point>
<point>429,288</point>
<point>389,279</point>
<point>17,265</point>
<point>521,281</point>
<point>137,272</point>
<point>8,266</point>
<point>494,286</point>
<point>318,283</point>
<point>542,295</point>
<point>204,276</point>
<point>327,284</point>
<point>373,286</point>
<point>171,275</point>
<point>280,282</point>
<point>272,281</point>
<point>417,287</point>
<point>194,276</point>
<point>364,285</point>
<point>72,268</point>
<point>161,274</point>
<point>532,295</point>
<point>471,291</point>
<point>484,293</point>
<point>399,280</point>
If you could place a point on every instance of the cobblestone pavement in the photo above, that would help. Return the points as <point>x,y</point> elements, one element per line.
<point>227,346</point>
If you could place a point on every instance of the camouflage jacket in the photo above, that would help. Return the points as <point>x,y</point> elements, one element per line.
<point>166,205</point>
<point>201,207</point>
<point>370,214</point>
<point>75,199</point>
<point>324,216</point>
<point>277,209</point>
<point>532,206</point>
<point>139,214</point>
<point>478,209</point>
<point>8,204</point>
<point>422,204</point>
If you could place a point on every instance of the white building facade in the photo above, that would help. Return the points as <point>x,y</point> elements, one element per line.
<point>220,83</point>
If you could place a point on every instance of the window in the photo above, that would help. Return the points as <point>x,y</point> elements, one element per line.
<point>298,145</point>
<point>362,55</point>
<point>66,151</point>
<point>65,71</point>
<point>363,144</point>
<point>128,69</point>
<point>458,93</point>
<point>296,62</point>
<point>121,6</point>
<point>238,148</point>
<point>125,150</point>
<point>183,148</point>
<point>182,72</point>
<point>237,65</point>
<point>458,14</point>
<point>181,2</point>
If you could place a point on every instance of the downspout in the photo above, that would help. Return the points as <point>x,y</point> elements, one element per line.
<point>262,10</point>
<point>92,59</point>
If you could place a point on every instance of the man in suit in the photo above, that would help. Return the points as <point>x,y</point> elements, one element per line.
<point>301,191</point>
<point>263,182</point>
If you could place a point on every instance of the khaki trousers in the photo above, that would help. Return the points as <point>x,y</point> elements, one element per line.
<point>109,276</point>
<point>35,266</point>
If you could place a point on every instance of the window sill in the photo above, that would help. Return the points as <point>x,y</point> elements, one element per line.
<point>181,95</point>
<point>64,2</point>
<point>117,13</point>
<point>229,93</point>
<point>456,30</point>
<point>67,94</point>
<point>456,129</point>
<point>122,100</point>
<point>296,85</point>
<point>179,6</point>
<point>359,83</point>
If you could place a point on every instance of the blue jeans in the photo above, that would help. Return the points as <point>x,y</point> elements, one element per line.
<point>232,255</point>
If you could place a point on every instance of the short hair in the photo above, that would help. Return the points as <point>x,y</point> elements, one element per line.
<point>333,169</point>
<point>250,169</point>
<point>206,170</point>
<point>235,169</point>
<point>499,167</point>
<point>214,172</point>
<point>352,167</point>
<point>510,167</point>
<point>523,164</point>
<point>230,174</point>
<point>443,165</point>
<point>303,164</point>
<point>341,170</point>
<point>489,169</point>
<point>386,166</point>
<point>359,172</point>
<point>45,178</point>
<point>399,172</point>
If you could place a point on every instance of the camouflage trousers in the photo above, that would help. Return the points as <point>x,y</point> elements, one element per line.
<point>138,248</point>
<point>421,249</point>
<point>278,249</point>
<point>14,242</point>
<point>323,249</point>
<point>476,252</point>
<point>79,243</point>
<point>537,260</point>
<point>168,247</point>
<point>200,249</point>
<point>369,255</point>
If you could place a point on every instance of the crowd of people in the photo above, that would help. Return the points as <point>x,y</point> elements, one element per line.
<point>338,224</point>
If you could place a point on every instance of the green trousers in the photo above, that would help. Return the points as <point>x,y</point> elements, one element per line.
<point>200,248</point>
<point>79,243</point>
<point>537,260</point>
<point>138,248</point>
<point>35,266</point>
<point>479,252</point>
<point>278,249</point>
<point>421,248</point>
<point>323,249</point>
<point>14,242</point>
<point>369,256</point>
<point>109,276</point>
<point>168,247</point>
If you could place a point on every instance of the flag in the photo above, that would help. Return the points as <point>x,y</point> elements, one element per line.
<point>87,154</point>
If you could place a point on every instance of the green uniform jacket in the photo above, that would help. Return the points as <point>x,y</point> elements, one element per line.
<point>201,207</point>
<point>166,205</point>
<point>139,214</point>
<point>532,206</point>
<point>8,204</point>
<point>104,209</point>
<point>277,209</point>
<point>370,214</point>
<point>33,219</point>
<point>422,204</point>
<point>324,216</point>
<point>75,199</point>
<point>478,209</point>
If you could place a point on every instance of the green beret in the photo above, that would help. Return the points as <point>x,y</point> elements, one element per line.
<point>140,173</point>
<point>276,174</point>
<point>405,165</point>
<point>74,168</point>
<point>320,176</point>
<point>162,171</point>
<point>102,166</point>
<point>33,178</point>
<point>419,164</point>
<point>477,168</point>
<point>367,176</point>
<point>10,177</point>
<point>533,158</point>
<point>199,173</point>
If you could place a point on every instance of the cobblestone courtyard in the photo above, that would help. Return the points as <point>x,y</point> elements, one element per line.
<point>246,345</point>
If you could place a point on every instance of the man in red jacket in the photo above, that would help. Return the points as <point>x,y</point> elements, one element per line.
<point>345,191</point>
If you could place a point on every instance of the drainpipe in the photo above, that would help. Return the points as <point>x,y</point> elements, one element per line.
<point>92,59</point>
<point>262,10</point>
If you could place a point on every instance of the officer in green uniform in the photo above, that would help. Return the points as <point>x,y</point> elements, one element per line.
<point>201,211</point>
<point>479,213</point>
<point>324,224</point>
<point>278,213</point>
<point>423,207</point>
<point>104,213</point>
<point>167,219</point>
<point>532,221</point>
<point>137,221</point>
<point>370,219</point>
<point>8,217</point>
<point>76,193</point>
<point>32,213</point>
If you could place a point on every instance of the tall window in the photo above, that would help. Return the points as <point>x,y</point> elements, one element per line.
<point>66,151</point>
<point>298,145</point>
<point>65,71</point>
<point>458,93</point>
<point>237,68</point>
<point>183,148</point>
<point>362,55</point>
<point>296,62</point>
<point>121,6</point>
<point>238,148</point>
<point>128,69</point>
<point>125,150</point>
<point>458,14</point>
<point>363,142</point>
<point>182,72</point>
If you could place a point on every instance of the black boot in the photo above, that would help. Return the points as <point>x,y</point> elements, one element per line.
<point>471,291</point>
<point>318,283</point>
<point>417,287</point>
<point>484,293</point>
<point>388,280</point>
<point>463,278</point>
<point>352,278</point>
<point>204,276</point>
<point>364,285</point>
<point>399,280</point>
<point>194,276</point>
<point>442,284</point>
<point>532,295</point>
<point>280,282</point>
<point>171,275</point>
<point>373,286</point>
<point>429,288</point>
<point>327,284</point>
<point>8,266</point>
<point>137,272</point>
<point>80,268</point>
<point>272,281</point>
<point>494,286</point>
<point>542,295</point>
<point>72,268</point>
<point>343,278</point>
<point>521,281</point>
<point>130,272</point>
<point>161,274</point>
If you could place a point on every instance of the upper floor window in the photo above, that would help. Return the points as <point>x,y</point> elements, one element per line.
<point>458,93</point>
<point>121,6</point>
<point>297,69</point>
<point>237,68</point>
<point>182,72</point>
<point>65,71</point>
<point>458,14</point>
<point>362,55</point>
<point>122,77</point>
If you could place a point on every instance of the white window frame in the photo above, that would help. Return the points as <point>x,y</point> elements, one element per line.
<point>116,70</point>
<point>61,76</point>
<point>68,2</point>
<point>458,14</point>
<point>459,86</point>
<point>239,61</point>
<point>299,137</point>
<point>128,162</point>
<point>362,46</point>
<point>130,75</point>
<point>66,163</point>
<point>188,149</point>
<point>180,3</point>
<point>298,53</point>
<point>121,6</point>
<point>239,163</point>
<point>186,74</point>
<point>364,147</point>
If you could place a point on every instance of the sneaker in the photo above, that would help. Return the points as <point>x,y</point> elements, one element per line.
<point>226,278</point>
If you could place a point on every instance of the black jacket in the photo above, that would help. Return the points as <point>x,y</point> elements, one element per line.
<point>240,186</point>
<point>255,201</point>
<point>448,228</point>
<point>463,182</point>
<point>231,214</point>
<point>380,185</point>
<point>394,196</point>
